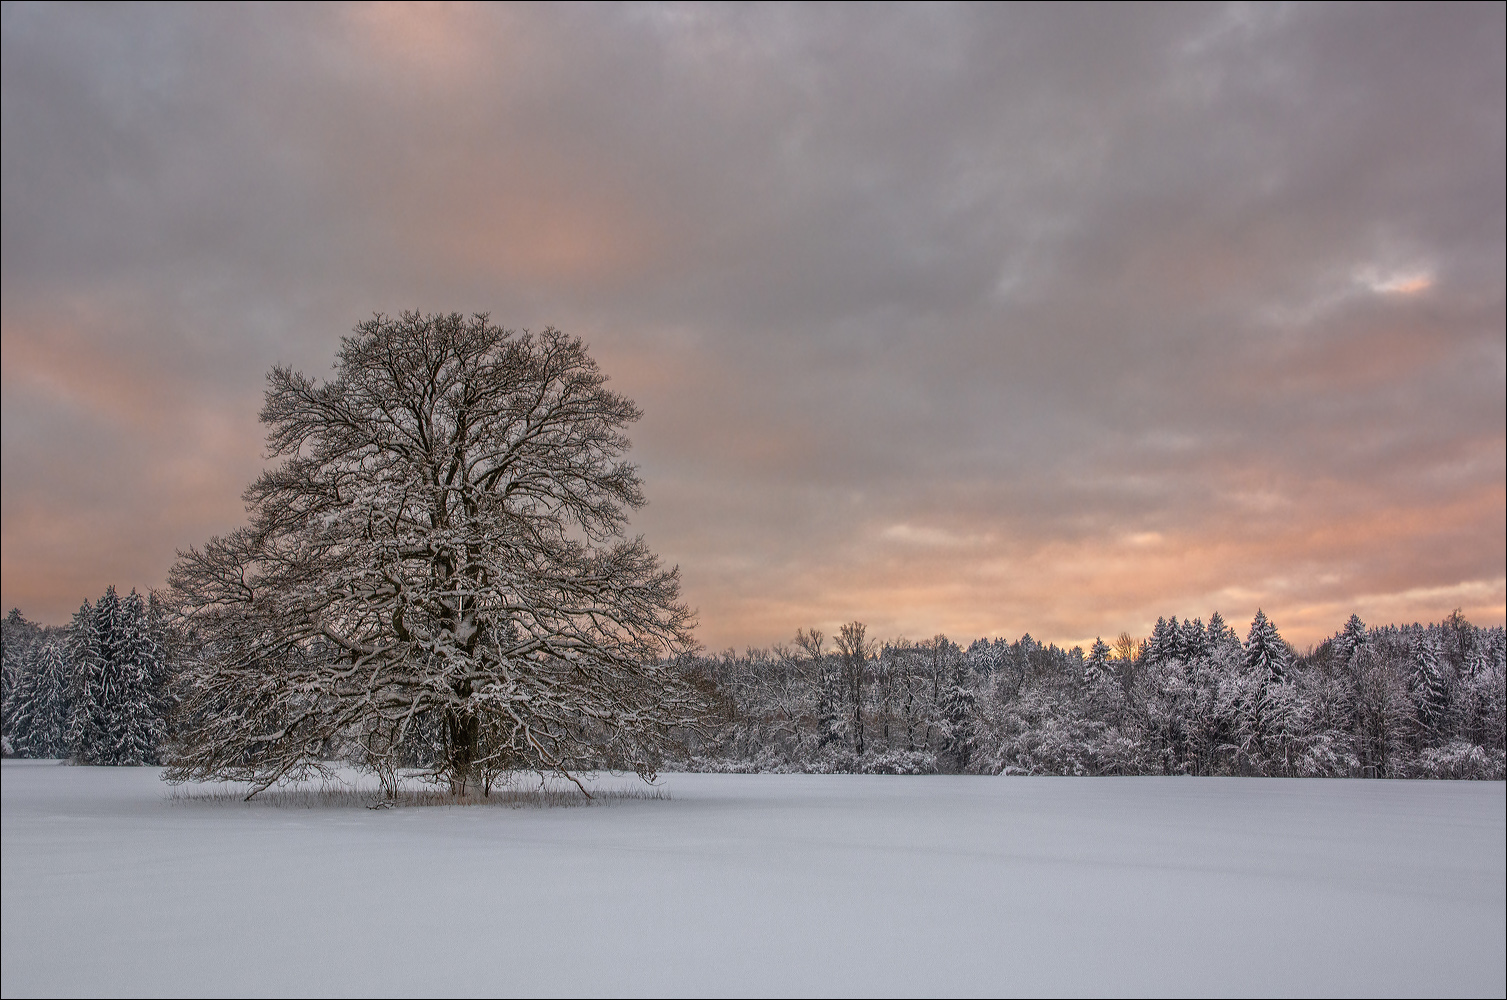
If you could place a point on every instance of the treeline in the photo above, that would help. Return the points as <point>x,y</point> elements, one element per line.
<point>1192,698</point>
<point>1391,702</point>
<point>94,691</point>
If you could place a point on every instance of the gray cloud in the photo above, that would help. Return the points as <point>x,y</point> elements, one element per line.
<point>963,318</point>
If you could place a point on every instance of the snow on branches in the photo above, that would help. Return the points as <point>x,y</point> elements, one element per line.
<point>441,551</point>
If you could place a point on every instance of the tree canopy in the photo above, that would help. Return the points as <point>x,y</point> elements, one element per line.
<point>441,551</point>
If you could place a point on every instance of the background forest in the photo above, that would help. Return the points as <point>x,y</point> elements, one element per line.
<point>1192,698</point>
<point>1393,701</point>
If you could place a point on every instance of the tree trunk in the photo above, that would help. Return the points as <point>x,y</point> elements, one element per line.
<point>462,736</point>
<point>858,703</point>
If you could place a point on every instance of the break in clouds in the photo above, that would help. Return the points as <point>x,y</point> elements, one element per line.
<point>972,320</point>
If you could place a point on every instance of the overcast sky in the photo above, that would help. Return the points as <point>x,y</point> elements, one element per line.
<point>975,320</point>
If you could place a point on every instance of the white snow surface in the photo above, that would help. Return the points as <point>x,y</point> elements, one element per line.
<point>762,884</point>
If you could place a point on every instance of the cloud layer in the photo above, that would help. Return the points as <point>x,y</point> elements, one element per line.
<point>966,319</point>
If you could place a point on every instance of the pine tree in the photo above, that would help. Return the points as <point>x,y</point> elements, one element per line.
<point>1265,652</point>
<point>1496,649</point>
<point>40,719</point>
<point>88,694</point>
<point>115,709</point>
<point>1159,646</point>
<point>984,657</point>
<point>136,717</point>
<point>1478,661</point>
<point>1096,668</point>
<point>1349,639</point>
<point>1220,635</point>
<point>18,641</point>
<point>959,705</point>
<point>1195,639</point>
<point>1181,637</point>
<point>1429,682</point>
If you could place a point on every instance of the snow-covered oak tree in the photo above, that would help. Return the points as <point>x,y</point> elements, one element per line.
<point>441,548</point>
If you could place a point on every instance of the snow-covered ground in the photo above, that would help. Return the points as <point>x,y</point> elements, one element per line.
<point>763,884</point>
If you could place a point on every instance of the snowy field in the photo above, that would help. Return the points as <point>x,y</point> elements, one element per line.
<point>762,884</point>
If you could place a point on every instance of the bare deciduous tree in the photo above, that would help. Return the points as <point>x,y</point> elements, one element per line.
<point>854,651</point>
<point>443,540</point>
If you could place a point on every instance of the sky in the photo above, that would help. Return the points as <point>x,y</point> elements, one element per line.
<point>976,320</point>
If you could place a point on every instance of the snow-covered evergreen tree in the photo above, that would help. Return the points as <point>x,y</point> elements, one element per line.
<point>1162,644</point>
<point>136,723</point>
<point>959,707</point>
<point>1096,668</point>
<point>89,695</point>
<point>39,723</point>
<point>1348,639</point>
<point>1220,635</point>
<point>1478,660</point>
<point>984,657</point>
<point>1266,655</point>
<point>1430,682</point>
<point>1195,639</point>
<point>18,642</point>
<point>1268,708</point>
<point>115,707</point>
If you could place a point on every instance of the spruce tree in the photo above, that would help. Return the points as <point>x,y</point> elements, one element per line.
<point>115,710</point>
<point>959,704</point>
<point>1265,652</point>
<point>1429,682</point>
<point>136,716</point>
<point>18,642</point>
<point>88,694</point>
<point>40,718</point>
<point>1096,667</point>
<point>1180,637</point>
<point>1349,639</point>
<point>1163,644</point>
<point>1195,639</point>
<point>1219,635</point>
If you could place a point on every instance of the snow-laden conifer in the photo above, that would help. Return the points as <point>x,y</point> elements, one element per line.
<point>1096,668</point>
<point>136,717</point>
<point>90,694</point>
<point>1348,639</point>
<point>115,709</point>
<point>1195,639</point>
<point>1220,635</point>
<point>40,718</point>
<point>959,708</point>
<point>1430,682</point>
<point>18,640</point>
<point>1266,654</point>
<point>1161,644</point>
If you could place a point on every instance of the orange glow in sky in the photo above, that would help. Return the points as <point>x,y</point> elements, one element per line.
<point>972,320</point>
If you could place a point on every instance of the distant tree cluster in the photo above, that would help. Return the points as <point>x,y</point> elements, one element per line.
<point>1192,698</point>
<point>94,692</point>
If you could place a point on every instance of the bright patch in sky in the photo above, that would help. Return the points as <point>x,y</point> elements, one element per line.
<point>1396,282</point>
<point>911,534</point>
